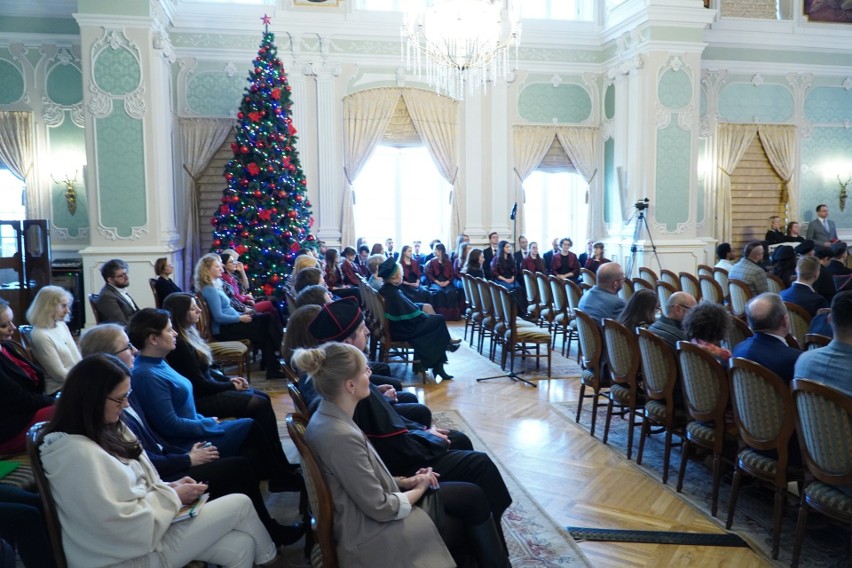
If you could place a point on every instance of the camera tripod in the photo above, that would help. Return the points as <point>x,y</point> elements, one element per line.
<point>639,215</point>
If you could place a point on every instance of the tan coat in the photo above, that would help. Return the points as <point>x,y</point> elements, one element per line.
<point>373,523</point>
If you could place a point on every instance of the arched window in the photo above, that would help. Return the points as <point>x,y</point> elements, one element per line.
<point>556,207</point>
<point>11,209</point>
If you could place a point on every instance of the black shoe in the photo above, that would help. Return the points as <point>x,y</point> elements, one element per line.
<point>438,371</point>
<point>453,347</point>
<point>285,535</point>
<point>417,368</point>
<point>290,481</point>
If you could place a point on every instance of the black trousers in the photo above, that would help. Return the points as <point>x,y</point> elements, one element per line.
<point>22,524</point>
<point>258,332</point>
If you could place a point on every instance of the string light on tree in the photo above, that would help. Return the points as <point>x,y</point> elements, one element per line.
<point>265,214</point>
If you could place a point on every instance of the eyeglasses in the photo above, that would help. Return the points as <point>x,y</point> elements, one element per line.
<point>123,399</point>
<point>685,308</point>
<point>120,275</point>
<point>129,347</point>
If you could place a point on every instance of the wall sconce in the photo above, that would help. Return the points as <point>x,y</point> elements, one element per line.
<point>70,191</point>
<point>843,194</point>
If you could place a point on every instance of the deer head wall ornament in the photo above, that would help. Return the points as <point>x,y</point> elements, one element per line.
<point>843,194</point>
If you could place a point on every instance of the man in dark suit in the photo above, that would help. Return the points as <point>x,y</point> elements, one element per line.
<point>416,254</point>
<point>114,304</point>
<point>802,292</point>
<point>548,256</point>
<point>389,252</point>
<point>769,320</point>
<point>822,230</point>
<point>523,243</point>
<point>489,252</point>
<point>837,265</point>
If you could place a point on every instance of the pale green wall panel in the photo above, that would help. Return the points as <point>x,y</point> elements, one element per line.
<point>744,102</point>
<point>609,102</point>
<point>541,102</point>
<point>610,183</point>
<point>702,151</point>
<point>114,7</point>
<point>52,26</point>
<point>65,85</point>
<point>121,171</point>
<point>827,146</point>
<point>67,147</point>
<point>116,71</point>
<point>212,93</point>
<point>11,83</point>
<point>840,58</point>
<point>672,174</point>
<point>675,89</point>
<point>829,104</point>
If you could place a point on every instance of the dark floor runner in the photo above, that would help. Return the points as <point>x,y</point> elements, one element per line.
<point>657,537</point>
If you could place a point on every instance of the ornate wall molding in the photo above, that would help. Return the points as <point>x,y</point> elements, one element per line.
<point>115,40</point>
<point>111,233</point>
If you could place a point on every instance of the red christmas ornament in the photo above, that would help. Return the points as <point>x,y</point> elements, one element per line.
<point>253,169</point>
<point>257,193</point>
<point>268,289</point>
<point>217,243</point>
<point>244,149</point>
<point>265,215</point>
<point>244,182</point>
<point>224,209</point>
<point>307,203</point>
<point>254,116</point>
<point>288,148</point>
<point>258,70</point>
<point>291,167</point>
<point>229,176</point>
<point>276,94</point>
<point>287,234</point>
<point>292,130</point>
<point>247,99</point>
<point>299,198</point>
<point>288,88</point>
<point>240,115</point>
<point>241,249</point>
<point>311,222</point>
<point>244,234</point>
<point>276,279</point>
<point>234,148</point>
<point>294,247</point>
<point>269,168</point>
<point>278,111</point>
<point>213,221</point>
<point>292,214</point>
<point>274,210</point>
<point>304,182</point>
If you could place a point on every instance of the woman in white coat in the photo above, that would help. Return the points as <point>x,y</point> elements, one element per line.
<point>52,344</point>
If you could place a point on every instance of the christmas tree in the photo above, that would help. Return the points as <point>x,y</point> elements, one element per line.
<point>265,214</point>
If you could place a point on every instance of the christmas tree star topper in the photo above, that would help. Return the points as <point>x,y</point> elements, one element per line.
<point>266,20</point>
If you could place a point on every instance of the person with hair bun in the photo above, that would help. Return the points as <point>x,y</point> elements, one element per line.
<point>375,520</point>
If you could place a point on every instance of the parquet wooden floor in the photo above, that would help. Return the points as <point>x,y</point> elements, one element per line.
<point>576,480</point>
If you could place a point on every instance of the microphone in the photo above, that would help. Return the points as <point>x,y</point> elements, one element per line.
<point>514,211</point>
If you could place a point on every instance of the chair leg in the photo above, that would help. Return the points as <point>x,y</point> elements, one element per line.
<point>631,423</point>
<point>549,354</point>
<point>684,455</point>
<point>608,420</point>
<point>580,402</point>
<point>667,456</point>
<point>645,432</point>
<point>717,476</point>
<point>735,491</point>
<point>776,520</point>
<point>595,404</point>
<point>800,533</point>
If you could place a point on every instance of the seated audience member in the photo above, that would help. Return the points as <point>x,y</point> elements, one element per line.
<point>52,344</point>
<point>227,324</point>
<point>775,235</point>
<point>302,262</point>
<point>439,272</point>
<point>548,256</point>
<point>489,252</point>
<point>801,292</point>
<point>308,277</point>
<point>821,324</point>
<point>427,333</point>
<point>373,263</point>
<point>351,272</point>
<point>416,254</point>
<point>114,304</point>
<point>565,264</point>
<point>668,327</point>
<point>168,401</point>
<point>361,261</point>
<point>389,252</point>
<point>374,502</point>
<point>532,261</point>
<point>113,507</point>
<point>770,322</point>
<point>460,258</point>
<point>431,254</point>
<point>22,525</point>
<point>232,278</point>
<point>164,285</point>
<point>315,294</point>
<point>473,266</point>
<point>411,278</point>
<point>377,249</point>
<point>597,258</point>
<point>523,250</point>
<point>792,235</point>
<point>749,271</point>
<point>333,274</point>
<point>504,271</point>
<point>23,401</point>
<point>223,475</point>
<point>725,255</point>
<point>601,300</point>
<point>824,284</point>
<point>640,311</point>
<point>706,325</point>
<point>837,264</point>
<point>587,254</point>
<point>784,267</point>
<point>322,248</point>
<point>830,365</point>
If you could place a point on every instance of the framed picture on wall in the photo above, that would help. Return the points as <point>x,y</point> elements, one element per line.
<point>823,11</point>
<point>331,3</point>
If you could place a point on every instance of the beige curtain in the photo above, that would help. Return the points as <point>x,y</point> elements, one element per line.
<point>581,145</point>
<point>16,148</point>
<point>436,119</point>
<point>365,118</point>
<point>779,143</point>
<point>531,144</point>
<point>201,138</point>
<point>732,140</point>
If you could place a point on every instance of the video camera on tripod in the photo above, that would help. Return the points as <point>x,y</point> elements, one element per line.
<point>642,204</point>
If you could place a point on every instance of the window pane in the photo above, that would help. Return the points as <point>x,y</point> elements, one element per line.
<point>11,209</point>
<point>555,207</point>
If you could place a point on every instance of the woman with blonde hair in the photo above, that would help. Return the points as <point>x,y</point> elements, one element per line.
<point>375,520</point>
<point>52,344</point>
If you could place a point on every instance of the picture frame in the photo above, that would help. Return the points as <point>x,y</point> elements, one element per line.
<point>817,11</point>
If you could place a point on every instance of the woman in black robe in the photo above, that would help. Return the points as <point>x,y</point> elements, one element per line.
<point>428,334</point>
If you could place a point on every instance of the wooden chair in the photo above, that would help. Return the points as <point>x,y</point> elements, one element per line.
<point>158,302</point>
<point>531,290</point>
<point>588,277</point>
<point>642,284</point>
<point>501,325</point>
<point>622,349</point>
<point>489,317</point>
<point>592,376</point>
<point>51,516</point>
<point>664,292</point>
<point>298,401</point>
<point>740,294</point>
<point>626,290</point>
<point>776,285</point>
<point>649,276</point>
<point>710,290</point>
<point>390,348</point>
<point>324,553</point>
<point>25,334</point>
<point>521,335</point>
<point>545,298</point>
<point>561,309</point>
<point>721,276</point>
<point>763,411</point>
<point>705,389</point>
<point>574,294</point>
<point>690,284</point>
<point>823,418</point>
<point>474,314</point>
<point>224,352</point>
<point>815,341</point>
<point>800,322</point>
<point>669,277</point>
<point>93,303</point>
<point>659,371</point>
<point>738,332</point>
<point>705,270</point>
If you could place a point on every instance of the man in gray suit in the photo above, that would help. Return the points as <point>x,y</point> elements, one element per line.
<point>822,229</point>
<point>114,304</point>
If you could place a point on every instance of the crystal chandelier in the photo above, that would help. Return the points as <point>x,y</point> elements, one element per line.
<point>461,45</point>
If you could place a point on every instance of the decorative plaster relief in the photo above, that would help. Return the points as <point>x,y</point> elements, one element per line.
<point>116,64</point>
<point>62,234</point>
<point>64,79</point>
